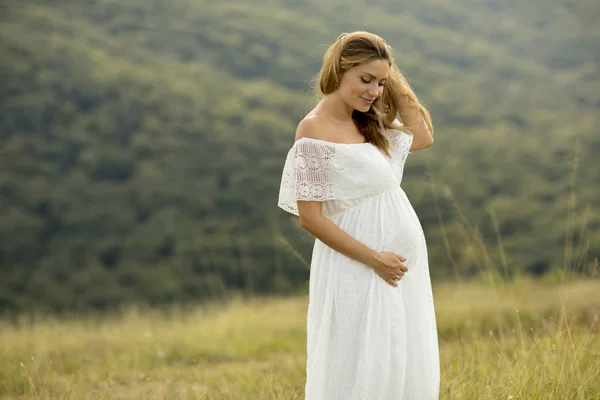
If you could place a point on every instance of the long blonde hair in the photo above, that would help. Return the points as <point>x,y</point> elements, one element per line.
<point>352,49</point>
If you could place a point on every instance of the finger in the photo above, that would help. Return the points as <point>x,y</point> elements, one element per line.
<point>402,258</point>
<point>403,268</point>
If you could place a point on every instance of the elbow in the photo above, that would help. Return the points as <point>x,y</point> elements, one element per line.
<point>305,222</point>
<point>427,137</point>
<point>422,144</point>
<point>427,143</point>
<point>308,222</point>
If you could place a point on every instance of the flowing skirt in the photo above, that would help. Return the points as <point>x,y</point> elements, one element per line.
<point>368,340</point>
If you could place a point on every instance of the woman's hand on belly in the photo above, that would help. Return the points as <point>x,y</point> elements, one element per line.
<point>390,267</point>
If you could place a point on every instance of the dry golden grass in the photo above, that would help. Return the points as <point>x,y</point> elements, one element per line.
<point>525,340</point>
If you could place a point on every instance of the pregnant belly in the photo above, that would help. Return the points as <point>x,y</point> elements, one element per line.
<point>402,229</point>
<point>386,222</point>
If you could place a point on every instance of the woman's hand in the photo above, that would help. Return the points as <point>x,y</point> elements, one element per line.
<point>390,267</point>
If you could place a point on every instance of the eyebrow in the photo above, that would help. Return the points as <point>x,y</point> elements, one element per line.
<point>373,76</point>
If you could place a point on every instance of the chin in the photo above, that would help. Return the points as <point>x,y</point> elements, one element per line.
<point>360,107</point>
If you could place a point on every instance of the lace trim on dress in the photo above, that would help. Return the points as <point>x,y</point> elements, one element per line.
<point>318,170</point>
<point>311,173</point>
<point>400,143</point>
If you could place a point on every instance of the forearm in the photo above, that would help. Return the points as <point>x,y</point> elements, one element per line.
<point>413,119</point>
<point>335,237</point>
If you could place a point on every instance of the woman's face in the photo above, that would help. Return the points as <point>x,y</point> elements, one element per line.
<point>361,85</point>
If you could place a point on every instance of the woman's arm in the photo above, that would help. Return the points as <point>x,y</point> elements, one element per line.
<point>413,120</point>
<point>389,266</point>
<point>312,220</point>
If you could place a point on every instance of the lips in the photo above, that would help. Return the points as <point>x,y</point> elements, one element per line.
<point>367,101</point>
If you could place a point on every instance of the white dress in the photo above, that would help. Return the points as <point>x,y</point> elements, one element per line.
<point>366,340</point>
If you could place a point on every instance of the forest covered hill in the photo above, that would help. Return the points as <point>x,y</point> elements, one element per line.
<point>142,142</point>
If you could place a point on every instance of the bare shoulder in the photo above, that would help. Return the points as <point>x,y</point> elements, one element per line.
<point>311,127</point>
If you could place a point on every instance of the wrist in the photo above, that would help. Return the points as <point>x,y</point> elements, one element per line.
<point>373,258</point>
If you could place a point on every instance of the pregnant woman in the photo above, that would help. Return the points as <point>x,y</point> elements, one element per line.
<point>371,329</point>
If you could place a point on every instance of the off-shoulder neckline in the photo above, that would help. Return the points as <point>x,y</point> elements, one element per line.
<point>332,143</point>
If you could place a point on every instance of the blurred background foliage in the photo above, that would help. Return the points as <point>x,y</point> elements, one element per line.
<point>142,142</point>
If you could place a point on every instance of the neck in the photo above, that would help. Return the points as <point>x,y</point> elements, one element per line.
<point>336,107</point>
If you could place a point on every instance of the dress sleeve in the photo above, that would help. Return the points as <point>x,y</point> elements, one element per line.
<point>311,172</point>
<point>400,142</point>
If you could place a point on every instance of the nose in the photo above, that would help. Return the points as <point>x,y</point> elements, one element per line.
<point>374,91</point>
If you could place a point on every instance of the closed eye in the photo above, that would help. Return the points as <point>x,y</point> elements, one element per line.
<point>366,81</point>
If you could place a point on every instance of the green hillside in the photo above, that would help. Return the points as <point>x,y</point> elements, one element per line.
<point>141,142</point>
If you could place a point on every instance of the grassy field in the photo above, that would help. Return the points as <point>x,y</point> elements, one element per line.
<point>525,340</point>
